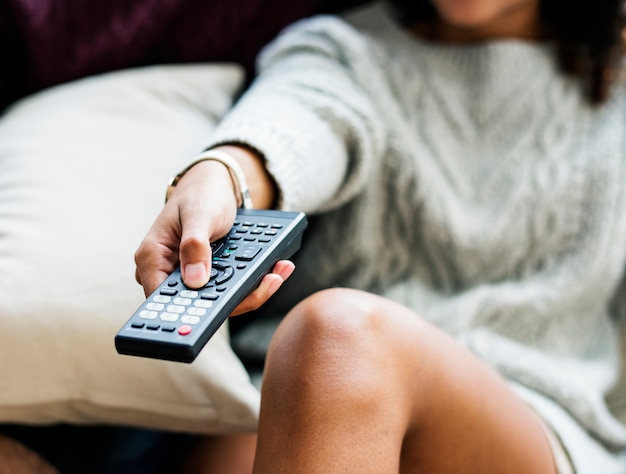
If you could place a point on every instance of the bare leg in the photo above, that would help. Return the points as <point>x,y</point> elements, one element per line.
<point>356,383</point>
<point>223,454</point>
<point>15,458</point>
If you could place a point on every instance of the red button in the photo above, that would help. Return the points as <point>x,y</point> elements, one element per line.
<point>184,330</point>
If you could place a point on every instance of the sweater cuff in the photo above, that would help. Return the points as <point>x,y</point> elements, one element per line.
<point>303,155</point>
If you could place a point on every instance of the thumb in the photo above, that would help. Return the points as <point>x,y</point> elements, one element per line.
<point>207,210</point>
<point>200,226</point>
<point>195,250</point>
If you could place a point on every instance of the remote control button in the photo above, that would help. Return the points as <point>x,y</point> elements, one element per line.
<point>247,253</point>
<point>202,304</point>
<point>175,309</point>
<point>221,289</point>
<point>153,327</point>
<point>162,299</point>
<point>190,319</point>
<point>169,317</point>
<point>214,272</point>
<point>270,232</point>
<point>172,283</point>
<point>168,291</point>
<point>217,250</point>
<point>155,306</point>
<point>182,301</point>
<point>209,296</point>
<point>137,325</point>
<point>168,328</point>
<point>226,275</point>
<point>189,294</point>
<point>256,231</point>
<point>145,314</point>
<point>184,330</point>
<point>241,266</point>
<point>235,237</point>
<point>277,226</point>
<point>262,224</point>
<point>264,240</point>
<point>195,311</point>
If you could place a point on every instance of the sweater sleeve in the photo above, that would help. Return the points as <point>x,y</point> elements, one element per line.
<point>309,115</point>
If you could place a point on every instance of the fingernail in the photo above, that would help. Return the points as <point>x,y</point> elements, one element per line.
<point>195,274</point>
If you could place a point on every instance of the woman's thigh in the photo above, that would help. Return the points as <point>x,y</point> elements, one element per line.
<point>357,383</point>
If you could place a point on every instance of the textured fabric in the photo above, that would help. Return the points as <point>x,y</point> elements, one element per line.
<point>83,171</point>
<point>48,42</point>
<point>472,183</point>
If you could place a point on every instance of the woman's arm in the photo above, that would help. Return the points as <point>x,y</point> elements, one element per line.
<point>305,135</point>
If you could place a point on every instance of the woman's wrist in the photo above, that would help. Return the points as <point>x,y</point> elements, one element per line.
<point>252,185</point>
<point>205,176</point>
<point>237,176</point>
<point>262,188</point>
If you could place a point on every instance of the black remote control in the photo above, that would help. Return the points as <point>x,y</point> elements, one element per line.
<point>175,322</point>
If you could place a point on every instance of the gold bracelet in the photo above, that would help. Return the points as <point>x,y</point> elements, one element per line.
<point>234,170</point>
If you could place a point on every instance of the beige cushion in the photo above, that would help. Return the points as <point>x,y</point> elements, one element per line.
<point>83,170</point>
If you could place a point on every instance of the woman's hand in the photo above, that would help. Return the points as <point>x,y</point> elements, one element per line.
<point>202,209</point>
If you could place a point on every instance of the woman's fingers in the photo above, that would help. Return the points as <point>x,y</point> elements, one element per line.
<point>157,255</point>
<point>268,286</point>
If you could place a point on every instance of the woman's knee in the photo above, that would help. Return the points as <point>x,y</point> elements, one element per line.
<point>333,320</point>
<point>347,338</point>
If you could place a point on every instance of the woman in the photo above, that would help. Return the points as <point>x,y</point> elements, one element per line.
<point>463,170</point>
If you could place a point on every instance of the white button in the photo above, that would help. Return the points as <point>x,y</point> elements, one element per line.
<point>175,309</point>
<point>148,314</point>
<point>155,306</point>
<point>190,319</point>
<point>162,299</point>
<point>203,304</point>
<point>182,301</point>
<point>189,294</point>
<point>196,311</point>
<point>171,317</point>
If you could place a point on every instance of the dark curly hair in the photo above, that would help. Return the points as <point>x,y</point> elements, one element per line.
<point>588,34</point>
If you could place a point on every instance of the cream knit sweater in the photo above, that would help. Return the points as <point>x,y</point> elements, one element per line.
<point>471,183</point>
